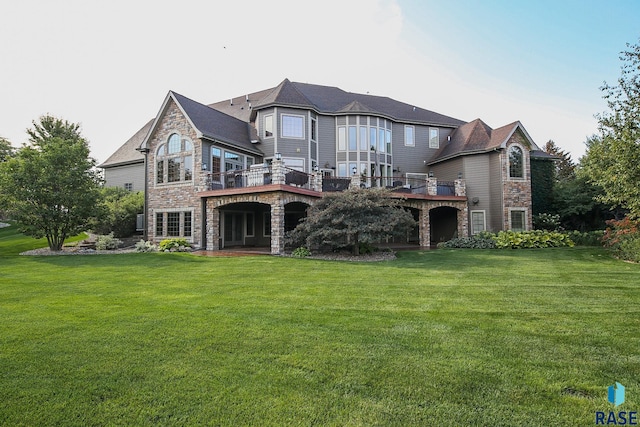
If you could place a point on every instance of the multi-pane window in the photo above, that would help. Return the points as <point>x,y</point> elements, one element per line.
<point>477,222</point>
<point>216,155</point>
<point>381,141</point>
<point>364,142</point>
<point>409,136</point>
<point>128,186</point>
<point>518,220</point>
<point>516,163</point>
<point>292,126</point>
<point>434,138</point>
<point>373,139</point>
<point>388,135</point>
<point>174,160</point>
<point>174,224</point>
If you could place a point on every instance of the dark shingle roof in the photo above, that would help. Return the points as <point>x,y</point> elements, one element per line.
<point>216,125</point>
<point>127,153</point>
<point>476,137</point>
<point>333,100</point>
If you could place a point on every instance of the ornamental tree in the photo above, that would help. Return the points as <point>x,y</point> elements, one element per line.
<point>612,158</point>
<point>50,185</point>
<point>352,217</point>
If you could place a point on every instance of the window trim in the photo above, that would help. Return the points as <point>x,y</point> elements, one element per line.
<point>413,136</point>
<point>163,214</point>
<point>525,212</point>
<point>265,130</point>
<point>484,220</point>
<point>282,127</point>
<point>523,166</point>
<point>437,138</point>
<point>164,159</point>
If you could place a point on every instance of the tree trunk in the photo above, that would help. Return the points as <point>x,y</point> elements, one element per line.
<point>356,245</point>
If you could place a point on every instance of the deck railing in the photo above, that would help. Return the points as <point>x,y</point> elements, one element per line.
<point>277,173</point>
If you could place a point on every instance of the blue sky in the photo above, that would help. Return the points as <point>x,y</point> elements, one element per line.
<point>109,65</point>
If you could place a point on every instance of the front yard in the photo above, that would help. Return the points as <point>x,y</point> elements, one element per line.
<point>445,337</point>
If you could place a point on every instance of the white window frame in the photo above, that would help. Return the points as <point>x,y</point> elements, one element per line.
<point>283,129</point>
<point>434,140</point>
<point>165,222</point>
<point>268,119</point>
<point>412,142</point>
<point>524,164</point>
<point>484,221</point>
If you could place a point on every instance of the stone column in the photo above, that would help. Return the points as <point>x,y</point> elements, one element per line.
<point>432,186</point>
<point>461,187</point>
<point>463,221</point>
<point>423,224</point>
<point>277,227</point>
<point>316,181</point>
<point>355,181</point>
<point>277,172</point>
<point>213,228</point>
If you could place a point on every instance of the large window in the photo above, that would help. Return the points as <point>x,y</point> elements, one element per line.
<point>292,126</point>
<point>353,138</point>
<point>518,220</point>
<point>434,138</point>
<point>516,162</point>
<point>174,223</point>
<point>342,138</point>
<point>174,160</point>
<point>409,136</point>
<point>478,222</point>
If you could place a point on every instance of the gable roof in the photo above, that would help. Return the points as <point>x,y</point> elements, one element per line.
<point>332,100</point>
<point>127,153</point>
<point>211,124</point>
<point>478,137</point>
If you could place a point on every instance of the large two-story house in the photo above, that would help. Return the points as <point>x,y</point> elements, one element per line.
<point>243,171</point>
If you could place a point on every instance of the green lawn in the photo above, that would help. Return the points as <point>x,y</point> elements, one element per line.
<point>446,337</point>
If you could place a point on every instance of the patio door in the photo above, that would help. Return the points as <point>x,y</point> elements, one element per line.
<point>233,227</point>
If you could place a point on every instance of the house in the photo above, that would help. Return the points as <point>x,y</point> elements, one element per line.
<point>242,171</point>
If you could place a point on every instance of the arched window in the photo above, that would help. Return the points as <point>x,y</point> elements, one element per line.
<point>516,162</point>
<point>174,163</point>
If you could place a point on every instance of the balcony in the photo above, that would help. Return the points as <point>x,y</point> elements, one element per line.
<point>276,173</point>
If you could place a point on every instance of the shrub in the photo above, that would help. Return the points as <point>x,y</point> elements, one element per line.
<point>587,238</point>
<point>107,242</point>
<point>301,252</point>
<point>474,242</point>
<point>148,246</point>
<point>546,221</point>
<point>174,245</point>
<point>117,211</point>
<point>623,239</point>
<point>531,239</point>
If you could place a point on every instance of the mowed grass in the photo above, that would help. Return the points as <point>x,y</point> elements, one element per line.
<point>445,337</point>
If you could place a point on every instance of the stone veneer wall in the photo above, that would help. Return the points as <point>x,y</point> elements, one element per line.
<point>179,196</point>
<point>516,191</point>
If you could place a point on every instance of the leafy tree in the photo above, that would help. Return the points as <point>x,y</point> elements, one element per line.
<point>612,159</point>
<point>542,183</point>
<point>118,211</point>
<point>353,217</point>
<point>6,150</point>
<point>50,185</point>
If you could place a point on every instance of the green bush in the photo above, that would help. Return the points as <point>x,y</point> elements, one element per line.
<point>301,252</point>
<point>107,242</point>
<point>117,211</point>
<point>587,238</point>
<point>147,246</point>
<point>531,239</point>
<point>174,245</point>
<point>474,242</point>
<point>546,221</point>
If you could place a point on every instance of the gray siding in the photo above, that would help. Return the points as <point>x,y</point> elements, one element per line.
<point>411,159</point>
<point>448,171</point>
<point>118,176</point>
<point>495,220</point>
<point>267,144</point>
<point>326,141</point>
<point>477,174</point>
<point>294,147</point>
